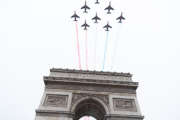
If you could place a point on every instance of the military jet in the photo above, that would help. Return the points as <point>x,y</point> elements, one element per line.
<point>85,25</point>
<point>120,18</point>
<point>109,8</point>
<point>96,18</point>
<point>107,26</point>
<point>75,16</point>
<point>85,7</point>
<point>97,2</point>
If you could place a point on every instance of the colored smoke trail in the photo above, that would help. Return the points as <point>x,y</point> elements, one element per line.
<point>116,46</point>
<point>78,48</point>
<point>86,45</point>
<point>105,50</point>
<point>95,40</point>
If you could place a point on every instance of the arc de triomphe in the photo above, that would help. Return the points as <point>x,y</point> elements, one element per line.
<point>71,94</point>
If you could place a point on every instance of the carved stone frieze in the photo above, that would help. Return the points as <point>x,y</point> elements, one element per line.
<point>93,87</point>
<point>54,100</point>
<point>122,104</point>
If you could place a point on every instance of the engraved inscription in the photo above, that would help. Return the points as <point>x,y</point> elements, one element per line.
<point>121,104</point>
<point>56,100</point>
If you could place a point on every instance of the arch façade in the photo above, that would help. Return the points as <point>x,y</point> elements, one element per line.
<point>71,94</point>
<point>96,108</point>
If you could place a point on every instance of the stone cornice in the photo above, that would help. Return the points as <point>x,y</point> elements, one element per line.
<point>90,72</point>
<point>55,112</point>
<point>52,111</point>
<point>89,81</point>
<point>124,116</point>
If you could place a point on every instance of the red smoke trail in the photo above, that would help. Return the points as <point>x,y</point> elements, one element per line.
<point>77,37</point>
<point>86,42</point>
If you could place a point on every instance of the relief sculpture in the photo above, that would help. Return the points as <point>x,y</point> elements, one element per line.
<point>121,104</point>
<point>56,100</point>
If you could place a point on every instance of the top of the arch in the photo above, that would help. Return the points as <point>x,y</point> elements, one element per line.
<point>83,74</point>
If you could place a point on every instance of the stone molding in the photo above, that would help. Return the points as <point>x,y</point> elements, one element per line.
<point>90,81</point>
<point>100,98</point>
<point>90,87</point>
<point>90,72</point>
<point>52,111</point>
<point>91,75</point>
<point>78,96</point>
<point>124,116</point>
<point>41,112</point>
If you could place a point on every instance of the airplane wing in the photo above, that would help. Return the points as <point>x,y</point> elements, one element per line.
<point>118,18</point>
<point>87,7</point>
<point>98,18</point>
<point>94,18</point>
<point>75,15</point>
<point>109,26</point>
<point>111,8</point>
<point>106,8</point>
<point>83,25</point>
<point>105,26</point>
<point>83,7</point>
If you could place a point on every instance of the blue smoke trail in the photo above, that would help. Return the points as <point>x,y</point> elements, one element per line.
<point>116,45</point>
<point>105,50</point>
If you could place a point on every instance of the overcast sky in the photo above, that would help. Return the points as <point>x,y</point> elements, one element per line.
<point>36,35</point>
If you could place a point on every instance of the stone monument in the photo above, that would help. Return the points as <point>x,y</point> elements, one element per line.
<point>72,94</point>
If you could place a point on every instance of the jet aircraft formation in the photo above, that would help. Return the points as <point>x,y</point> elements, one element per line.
<point>109,9</point>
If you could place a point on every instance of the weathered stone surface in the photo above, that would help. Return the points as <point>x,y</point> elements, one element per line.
<point>95,81</point>
<point>91,87</point>
<point>124,117</point>
<point>122,104</point>
<point>71,94</point>
<point>56,100</point>
<point>97,75</point>
<point>77,96</point>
